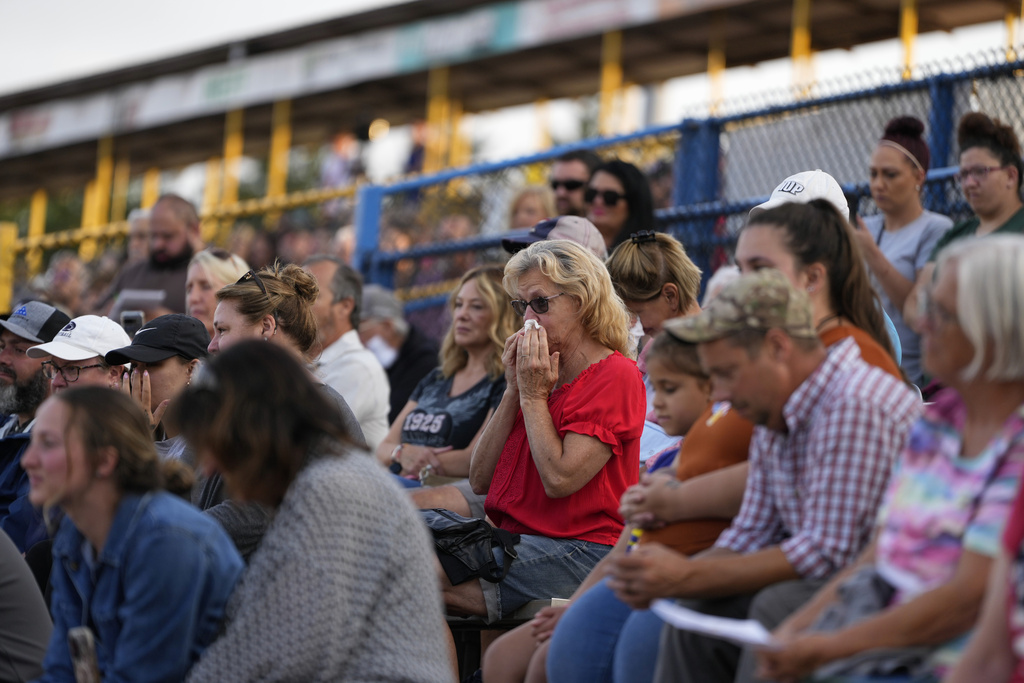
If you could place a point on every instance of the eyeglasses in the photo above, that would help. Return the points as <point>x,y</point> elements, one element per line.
<point>69,373</point>
<point>934,312</point>
<point>979,173</point>
<point>609,197</point>
<point>252,275</point>
<point>569,185</point>
<point>539,305</point>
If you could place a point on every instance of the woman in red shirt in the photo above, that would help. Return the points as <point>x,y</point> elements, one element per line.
<point>564,443</point>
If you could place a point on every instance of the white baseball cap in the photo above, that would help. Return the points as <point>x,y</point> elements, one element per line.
<point>84,337</point>
<point>804,188</point>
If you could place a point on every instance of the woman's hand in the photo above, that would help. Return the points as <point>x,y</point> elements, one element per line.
<point>864,236</point>
<point>415,458</point>
<point>508,359</point>
<point>800,656</point>
<point>543,625</point>
<point>136,386</point>
<point>536,370</point>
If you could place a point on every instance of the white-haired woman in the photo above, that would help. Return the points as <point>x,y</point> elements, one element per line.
<point>563,444</point>
<point>209,271</point>
<point>948,500</point>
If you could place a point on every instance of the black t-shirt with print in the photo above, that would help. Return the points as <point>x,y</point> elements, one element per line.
<point>441,420</point>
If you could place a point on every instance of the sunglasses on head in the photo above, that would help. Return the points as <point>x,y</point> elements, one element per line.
<point>608,197</point>
<point>569,185</point>
<point>253,275</point>
<point>539,305</point>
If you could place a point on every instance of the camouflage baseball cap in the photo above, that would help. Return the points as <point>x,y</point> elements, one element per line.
<point>757,301</point>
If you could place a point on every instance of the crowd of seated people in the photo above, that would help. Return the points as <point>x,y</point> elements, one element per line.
<point>206,497</point>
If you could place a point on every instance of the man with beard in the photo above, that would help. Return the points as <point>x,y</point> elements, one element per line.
<point>23,387</point>
<point>173,239</point>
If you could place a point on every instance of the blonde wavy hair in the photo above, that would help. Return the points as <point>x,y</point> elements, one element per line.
<point>504,322</point>
<point>640,269</point>
<point>581,275</point>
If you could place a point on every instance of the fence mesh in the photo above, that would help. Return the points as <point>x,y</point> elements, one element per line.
<point>761,139</point>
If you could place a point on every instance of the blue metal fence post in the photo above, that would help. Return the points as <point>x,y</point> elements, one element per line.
<point>696,182</point>
<point>367,223</point>
<point>941,127</point>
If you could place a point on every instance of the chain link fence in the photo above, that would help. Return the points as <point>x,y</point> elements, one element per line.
<point>434,230</point>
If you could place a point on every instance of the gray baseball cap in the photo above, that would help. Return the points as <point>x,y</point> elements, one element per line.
<point>36,322</point>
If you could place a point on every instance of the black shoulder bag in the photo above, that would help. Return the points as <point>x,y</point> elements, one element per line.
<point>465,547</point>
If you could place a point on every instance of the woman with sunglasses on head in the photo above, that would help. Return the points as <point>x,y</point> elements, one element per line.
<point>564,442</point>
<point>436,431</point>
<point>341,587</point>
<point>149,574</point>
<point>991,171</point>
<point>619,203</point>
<point>898,241</point>
<point>208,271</point>
<point>275,305</point>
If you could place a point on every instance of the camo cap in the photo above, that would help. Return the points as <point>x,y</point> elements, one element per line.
<point>757,301</point>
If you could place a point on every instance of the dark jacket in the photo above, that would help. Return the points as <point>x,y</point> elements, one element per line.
<point>416,358</point>
<point>22,522</point>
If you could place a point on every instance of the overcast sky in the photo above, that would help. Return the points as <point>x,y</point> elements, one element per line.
<point>48,41</point>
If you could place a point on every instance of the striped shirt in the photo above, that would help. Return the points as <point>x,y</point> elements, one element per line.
<point>815,490</point>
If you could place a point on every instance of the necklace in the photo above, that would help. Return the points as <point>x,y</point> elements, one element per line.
<point>825,321</point>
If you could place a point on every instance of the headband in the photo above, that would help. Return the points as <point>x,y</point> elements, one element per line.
<point>896,145</point>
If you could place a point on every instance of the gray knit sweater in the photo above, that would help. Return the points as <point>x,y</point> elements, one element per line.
<point>341,589</point>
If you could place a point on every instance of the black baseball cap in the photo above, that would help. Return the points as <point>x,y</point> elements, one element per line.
<point>163,337</point>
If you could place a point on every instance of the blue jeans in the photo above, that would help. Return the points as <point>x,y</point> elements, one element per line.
<point>600,639</point>
<point>545,568</point>
<point>406,483</point>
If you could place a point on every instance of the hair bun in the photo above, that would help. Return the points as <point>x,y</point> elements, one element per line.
<point>300,279</point>
<point>904,126</point>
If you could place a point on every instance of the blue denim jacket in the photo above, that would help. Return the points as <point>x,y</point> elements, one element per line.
<point>155,596</point>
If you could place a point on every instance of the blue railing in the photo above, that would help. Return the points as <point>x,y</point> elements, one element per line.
<point>704,221</point>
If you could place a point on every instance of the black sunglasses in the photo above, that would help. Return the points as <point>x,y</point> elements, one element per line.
<point>253,275</point>
<point>609,197</point>
<point>569,185</point>
<point>539,305</point>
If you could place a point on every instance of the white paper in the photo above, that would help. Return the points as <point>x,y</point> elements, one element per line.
<point>739,631</point>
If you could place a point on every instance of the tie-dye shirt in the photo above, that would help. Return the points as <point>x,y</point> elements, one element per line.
<point>940,503</point>
<point>1013,546</point>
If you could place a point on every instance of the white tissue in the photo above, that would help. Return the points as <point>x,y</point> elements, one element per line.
<point>531,323</point>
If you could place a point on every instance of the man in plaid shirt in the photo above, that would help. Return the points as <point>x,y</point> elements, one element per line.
<point>829,427</point>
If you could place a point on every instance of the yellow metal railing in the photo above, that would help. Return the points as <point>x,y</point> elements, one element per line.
<point>11,246</point>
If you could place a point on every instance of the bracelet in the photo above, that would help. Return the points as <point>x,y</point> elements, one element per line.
<point>396,453</point>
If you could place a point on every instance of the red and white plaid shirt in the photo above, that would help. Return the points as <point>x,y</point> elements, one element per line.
<point>815,490</point>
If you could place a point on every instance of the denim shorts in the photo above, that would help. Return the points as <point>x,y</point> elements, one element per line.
<point>545,568</point>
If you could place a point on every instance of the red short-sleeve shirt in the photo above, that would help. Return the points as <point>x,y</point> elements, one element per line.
<point>606,401</point>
